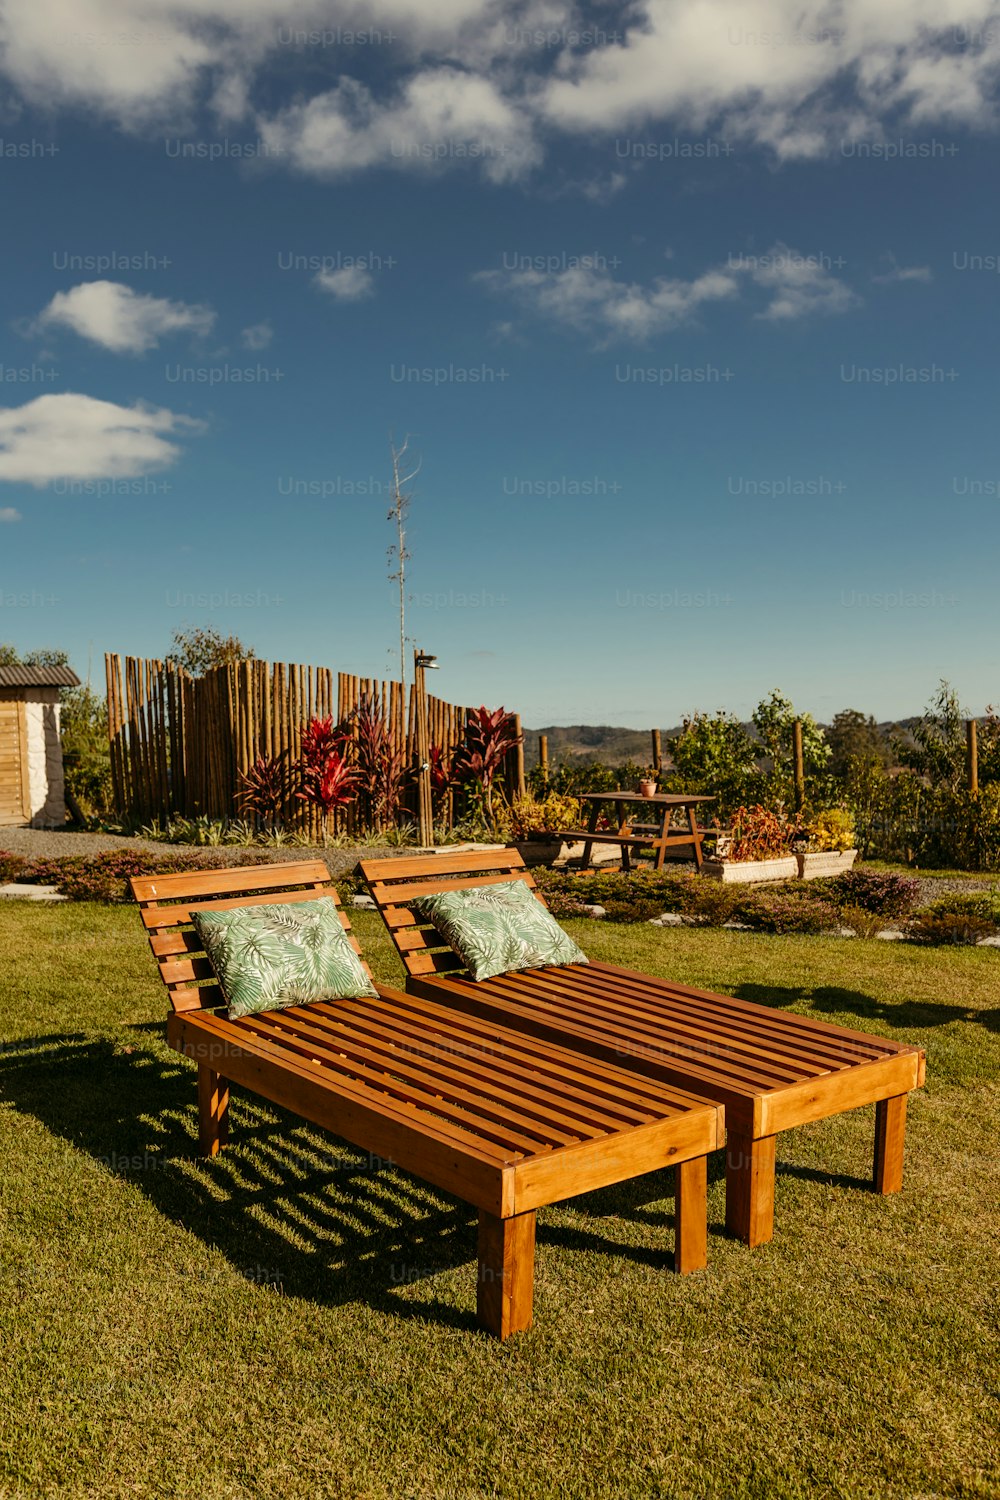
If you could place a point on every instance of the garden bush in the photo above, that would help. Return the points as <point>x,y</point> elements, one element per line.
<point>949,927</point>
<point>984,905</point>
<point>775,911</point>
<point>882,893</point>
<point>641,910</point>
<point>104,877</point>
<point>864,924</point>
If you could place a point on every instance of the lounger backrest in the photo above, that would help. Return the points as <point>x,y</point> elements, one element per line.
<point>394,883</point>
<point>167,901</point>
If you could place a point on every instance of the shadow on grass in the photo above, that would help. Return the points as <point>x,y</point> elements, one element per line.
<point>833,1000</point>
<point>287,1204</point>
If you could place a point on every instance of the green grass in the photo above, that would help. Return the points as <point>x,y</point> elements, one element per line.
<point>294,1319</point>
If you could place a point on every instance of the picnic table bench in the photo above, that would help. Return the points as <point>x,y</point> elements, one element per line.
<point>505,1122</point>
<point>633,835</point>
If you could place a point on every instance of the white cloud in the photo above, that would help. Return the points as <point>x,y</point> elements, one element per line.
<point>8,515</point>
<point>798,285</point>
<point>347,284</point>
<point>122,320</point>
<point>792,76</point>
<point>258,336</point>
<point>591,300</point>
<point>71,436</point>
<point>897,273</point>
<point>441,117</point>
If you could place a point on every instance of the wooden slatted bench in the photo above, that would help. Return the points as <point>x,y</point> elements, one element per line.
<point>504,1121</point>
<point>771,1070</point>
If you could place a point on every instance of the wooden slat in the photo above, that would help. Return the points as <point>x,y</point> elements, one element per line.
<point>260,877</point>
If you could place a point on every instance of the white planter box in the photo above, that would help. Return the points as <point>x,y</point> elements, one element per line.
<point>751,871</point>
<point>821,865</point>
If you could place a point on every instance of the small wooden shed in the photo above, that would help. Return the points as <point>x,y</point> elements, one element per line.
<point>31,764</point>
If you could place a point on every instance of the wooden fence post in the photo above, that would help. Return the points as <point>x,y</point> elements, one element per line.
<point>800,775</point>
<point>519,756</point>
<point>657,761</point>
<point>543,757</point>
<point>972,744</point>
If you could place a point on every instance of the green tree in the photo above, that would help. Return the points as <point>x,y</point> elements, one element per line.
<point>199,648</point>
<point>715,755</point>
<point>938,751</point>
<point>773,719</point>
<point>855,736</point>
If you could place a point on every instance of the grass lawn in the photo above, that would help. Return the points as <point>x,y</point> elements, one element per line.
<point>292,1318</point>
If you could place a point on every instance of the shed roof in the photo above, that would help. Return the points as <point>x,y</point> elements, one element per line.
<point>38,677</point>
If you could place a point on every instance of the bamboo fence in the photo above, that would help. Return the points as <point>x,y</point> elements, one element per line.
<point>180,743</point>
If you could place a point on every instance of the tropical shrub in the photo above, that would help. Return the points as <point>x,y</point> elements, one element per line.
<point>489,738</point>
<point>263,789</point>
<point>380,764</point>
<point>328,782</point>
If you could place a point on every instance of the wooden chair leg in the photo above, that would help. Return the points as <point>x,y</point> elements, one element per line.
<point>691,1233</point>
<point>506,1272</point>
<point>750,1187</point>
<point>890,1129</point>
<point>213,1110</point>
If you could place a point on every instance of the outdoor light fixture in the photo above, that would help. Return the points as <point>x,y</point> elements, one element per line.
<point>430,662</point>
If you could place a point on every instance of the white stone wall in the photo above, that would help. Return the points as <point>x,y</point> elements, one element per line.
<point>45,766</point>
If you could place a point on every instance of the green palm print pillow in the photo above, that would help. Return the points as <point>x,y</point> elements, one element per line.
<point>267,957</point>
<point>498,928</point>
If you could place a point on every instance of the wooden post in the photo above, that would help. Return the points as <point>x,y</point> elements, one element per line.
<point>421,747</point>
<point>972,741</point>
<point>543,757</point>
<point>800,775</point>
<point>519,756</point>
<point>657,760</point>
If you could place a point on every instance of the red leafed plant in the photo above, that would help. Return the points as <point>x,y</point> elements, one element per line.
<point>489,737</point>
<point>328,781</point>
<point>380,762</point>
<point>264,788</point>
<point>758,833</point>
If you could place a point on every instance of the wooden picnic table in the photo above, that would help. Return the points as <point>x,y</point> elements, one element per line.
<point>659,838</point>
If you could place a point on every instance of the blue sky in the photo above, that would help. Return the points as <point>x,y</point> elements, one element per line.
<point>693,327</point>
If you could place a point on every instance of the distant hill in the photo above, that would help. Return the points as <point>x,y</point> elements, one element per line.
<point>585,744</point>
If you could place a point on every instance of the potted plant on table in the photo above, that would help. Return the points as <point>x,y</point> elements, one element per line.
<point>646,785</point>
<point>827,846</point>
<point>756,849</point>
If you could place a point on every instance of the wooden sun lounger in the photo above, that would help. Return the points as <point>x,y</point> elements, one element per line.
<point>771,1070</point>
<point>504,1121</point>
